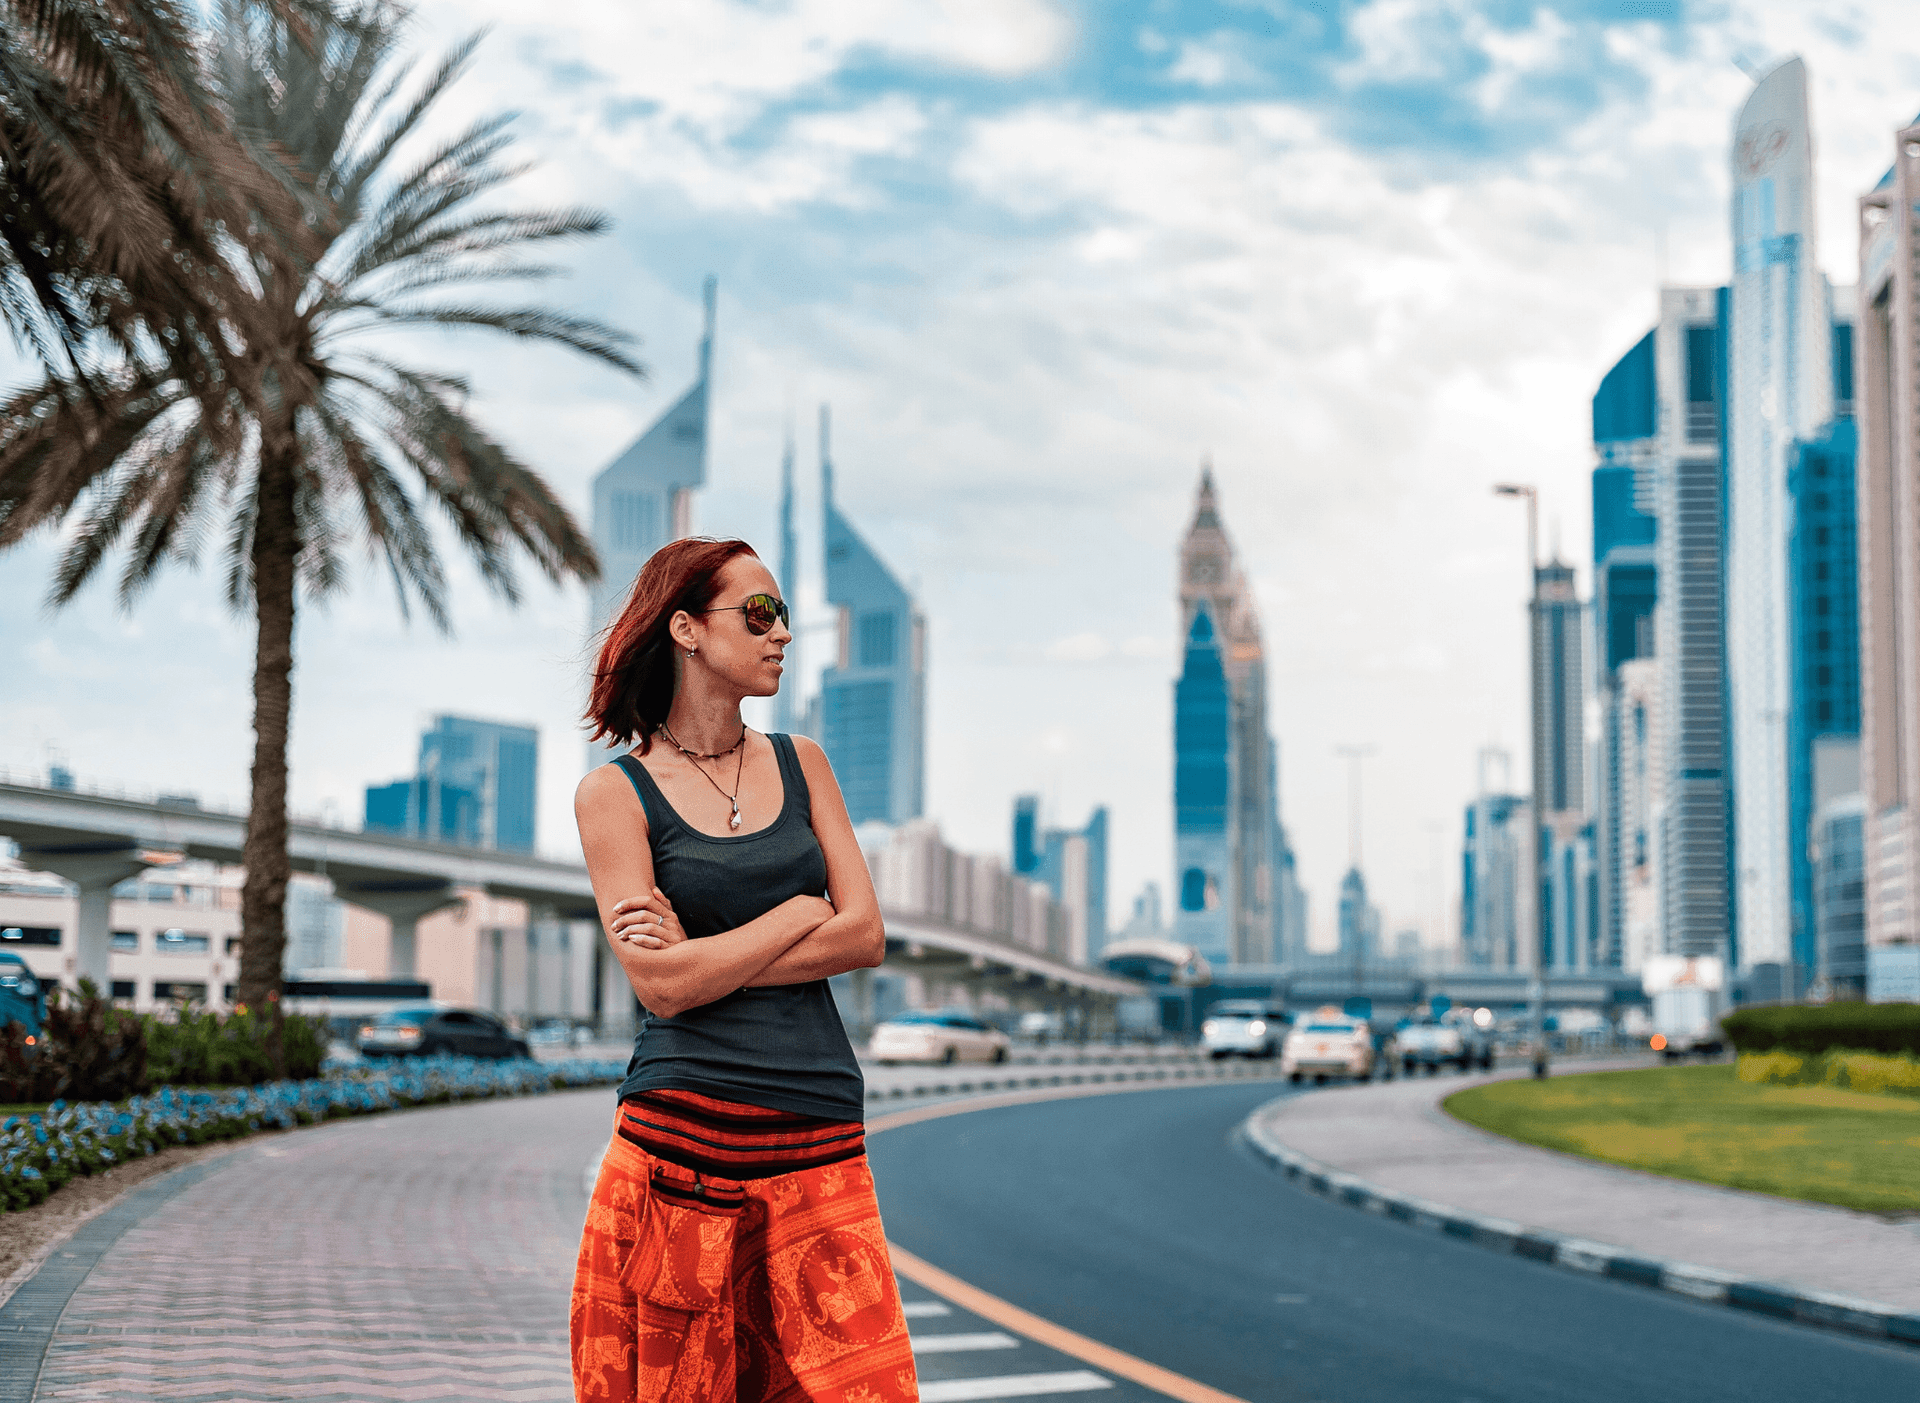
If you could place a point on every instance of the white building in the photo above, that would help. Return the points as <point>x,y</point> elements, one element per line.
<point>1779,389</point>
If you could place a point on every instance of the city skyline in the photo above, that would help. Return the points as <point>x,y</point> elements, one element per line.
<point>1383,362</point>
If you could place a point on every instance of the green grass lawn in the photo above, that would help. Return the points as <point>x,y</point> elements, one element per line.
<point>32,1110</point>
<point>1810,1142</point>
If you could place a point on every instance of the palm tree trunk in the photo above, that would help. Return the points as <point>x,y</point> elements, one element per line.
<point>263,900</point>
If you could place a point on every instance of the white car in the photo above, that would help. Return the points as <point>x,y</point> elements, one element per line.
<point>1328,1045</point>
<point>922,1036</point>
<point>1244,1026</point>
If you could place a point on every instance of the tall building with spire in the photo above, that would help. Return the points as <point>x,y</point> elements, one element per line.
<point>1779,389</point>
<point>872,703</point>
<point>787,712</point>
<point>1233,870</point>
<point>644,498</point>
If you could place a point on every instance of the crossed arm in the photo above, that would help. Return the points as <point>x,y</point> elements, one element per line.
<point>804,938</point>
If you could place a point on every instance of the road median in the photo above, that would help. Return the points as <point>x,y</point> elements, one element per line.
<point>1393,1151</point>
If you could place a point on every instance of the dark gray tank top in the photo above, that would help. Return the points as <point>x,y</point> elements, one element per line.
<point>783,1047</point>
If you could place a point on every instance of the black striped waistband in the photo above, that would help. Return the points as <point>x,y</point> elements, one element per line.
<point>731,1140</point>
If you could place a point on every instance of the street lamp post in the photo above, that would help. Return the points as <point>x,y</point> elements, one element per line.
<point>1537,662</point>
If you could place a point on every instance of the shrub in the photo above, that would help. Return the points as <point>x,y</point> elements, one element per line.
<point>198,1048</point>
<point>1848,1070</point>
<point>39,1153</point>
<point>87,1050</point>
<point>1811,1029</point>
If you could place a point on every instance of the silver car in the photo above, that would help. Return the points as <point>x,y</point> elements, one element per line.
<point>1246,1027</point>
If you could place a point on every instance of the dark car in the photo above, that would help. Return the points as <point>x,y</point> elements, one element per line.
<point>22,999</point>
<point>439,1032</point>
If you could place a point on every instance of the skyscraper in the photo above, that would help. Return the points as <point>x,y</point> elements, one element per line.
<point>476,786</point>
<point>1230,851</point>
<point>1496,860</point>
<point>644,498</point>
<point>1887,383</point>
<point>787,711</point>
<point>1823,576</point>
<point>872,717</point>
<point>1625,591</point>
<point>1073,864</point>
<point>1693,827</point>
<point>1779,389</point>
<point>1636,747</point>
<point>1560,756</point>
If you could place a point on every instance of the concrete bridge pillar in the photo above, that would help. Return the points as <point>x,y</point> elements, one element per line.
<point>95,869</point>
<point>403,903</point>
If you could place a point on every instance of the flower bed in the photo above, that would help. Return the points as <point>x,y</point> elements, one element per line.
<point>39,1153</point>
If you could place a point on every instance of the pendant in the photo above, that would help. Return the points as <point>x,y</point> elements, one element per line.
<point>734,822</point>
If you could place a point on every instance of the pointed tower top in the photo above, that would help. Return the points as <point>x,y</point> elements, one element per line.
<point>707,295</point>
<point>1206,514</point>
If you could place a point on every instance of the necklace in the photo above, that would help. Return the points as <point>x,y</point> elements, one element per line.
<point>674,741</point>
<point>739,745</point>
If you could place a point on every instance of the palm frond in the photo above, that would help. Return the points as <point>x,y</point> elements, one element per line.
<point>583,334</point>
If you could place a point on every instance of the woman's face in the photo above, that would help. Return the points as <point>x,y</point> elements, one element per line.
<point>742,661</point>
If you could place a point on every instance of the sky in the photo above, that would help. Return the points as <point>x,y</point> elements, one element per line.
<point>1044,258</point>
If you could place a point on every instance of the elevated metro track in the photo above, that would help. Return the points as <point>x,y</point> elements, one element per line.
<point>96,841</point>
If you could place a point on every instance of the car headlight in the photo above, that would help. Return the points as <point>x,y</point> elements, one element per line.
<point>1256,1027</point>
<point>1210,1027</point>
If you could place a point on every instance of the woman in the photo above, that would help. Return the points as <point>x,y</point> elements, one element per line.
<point>733,1248</point>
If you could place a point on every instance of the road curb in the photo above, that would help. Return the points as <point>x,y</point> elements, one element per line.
<point>1805,1307</point>
<point>1218,1071</point>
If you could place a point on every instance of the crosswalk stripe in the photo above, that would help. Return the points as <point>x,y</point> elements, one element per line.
<point>916,1310</point>
<point>1011,1386</point>
<point>955,1344</point>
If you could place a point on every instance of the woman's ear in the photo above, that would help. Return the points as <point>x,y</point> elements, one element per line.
<point>680,629</point>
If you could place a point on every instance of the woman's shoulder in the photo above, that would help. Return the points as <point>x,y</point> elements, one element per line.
<point>604,784</point>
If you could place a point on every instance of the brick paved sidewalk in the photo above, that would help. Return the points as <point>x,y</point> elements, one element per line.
<point>419,1255</point>
<point>1396,1136</point>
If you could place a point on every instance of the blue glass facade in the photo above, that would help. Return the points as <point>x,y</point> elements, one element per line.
<point>873,700</point>
<point>476,786</point>
<point>1624,405</point>
<point>1026,834</point>
<point>1202,782</point>
<point>1823,572</point>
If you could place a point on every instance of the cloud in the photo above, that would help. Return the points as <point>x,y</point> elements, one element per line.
<point>1371,258</point>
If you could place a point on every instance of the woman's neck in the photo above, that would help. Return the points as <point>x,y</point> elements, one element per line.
<point>705,726</point>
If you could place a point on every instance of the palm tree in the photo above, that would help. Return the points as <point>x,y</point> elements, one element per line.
<point>326,427</point>
<point>119,172</point>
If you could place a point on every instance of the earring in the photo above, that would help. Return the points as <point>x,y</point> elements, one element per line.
<point>690,652</point>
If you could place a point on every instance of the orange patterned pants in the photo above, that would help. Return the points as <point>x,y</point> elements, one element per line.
<point>697,1288</point>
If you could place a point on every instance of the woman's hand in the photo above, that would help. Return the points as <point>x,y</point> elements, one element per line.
<point>648,922</point>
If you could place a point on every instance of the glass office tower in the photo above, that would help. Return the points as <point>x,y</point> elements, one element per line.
<point>1779,390</point>
<point>1825,591</point>
<point>872,702</point>
<point>476,786</point>
<point>644,498</point>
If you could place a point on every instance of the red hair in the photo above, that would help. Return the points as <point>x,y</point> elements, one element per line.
<point>633,677</point>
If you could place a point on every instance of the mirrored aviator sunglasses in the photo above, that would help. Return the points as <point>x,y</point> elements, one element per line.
<point>760,611</point>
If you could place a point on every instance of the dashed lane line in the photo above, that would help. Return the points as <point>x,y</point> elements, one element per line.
<point>918,1310</point>
<point>1021,1321</point>
<point>1012,1386</point>
<point>957,1344</point>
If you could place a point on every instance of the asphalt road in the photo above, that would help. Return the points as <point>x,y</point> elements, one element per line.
<point>1137,1220</point>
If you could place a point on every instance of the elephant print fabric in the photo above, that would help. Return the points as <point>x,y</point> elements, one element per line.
<point>692,1287</point>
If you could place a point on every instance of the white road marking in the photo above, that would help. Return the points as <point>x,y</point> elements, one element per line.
<point>591,1175</point>
<point>954,1344</point>
<point>1012,1386</point>
<point>915,1310</point>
